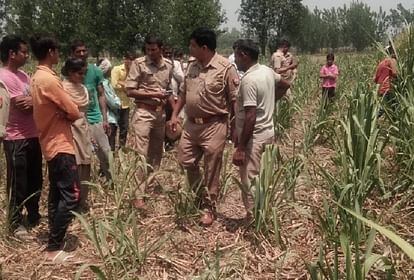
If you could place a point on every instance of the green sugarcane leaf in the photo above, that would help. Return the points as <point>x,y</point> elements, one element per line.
<point>404,245</point>
<point>95,269</point>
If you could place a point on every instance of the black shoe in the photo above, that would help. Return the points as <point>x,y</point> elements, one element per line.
<point>33,220</point>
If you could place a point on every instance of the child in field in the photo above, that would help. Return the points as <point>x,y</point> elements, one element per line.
<point>74,72</point>
<point>329,75</point>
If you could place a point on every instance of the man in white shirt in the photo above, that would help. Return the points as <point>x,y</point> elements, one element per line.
<point>254,115</point>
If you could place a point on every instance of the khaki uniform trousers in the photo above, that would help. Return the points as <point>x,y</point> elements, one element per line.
<point>148,133</point>
<point>209,140</point>
<point>251,169</point>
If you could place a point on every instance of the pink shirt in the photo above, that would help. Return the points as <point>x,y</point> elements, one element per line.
<point>329,70</point>
<point>20,124</point>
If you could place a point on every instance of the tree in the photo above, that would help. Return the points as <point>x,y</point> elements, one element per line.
<point>400,17</point>
<point>332,28</point>
<point>264,18</point>
<point>382,24</point>
<point>186,15</point>
<point>3,15</point>
<point>360,25</point>
<point>111,26</point>
<point>226,39</point>
<point>311,32</point>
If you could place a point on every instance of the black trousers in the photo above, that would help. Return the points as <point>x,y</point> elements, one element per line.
<point>64,196</point>
<point>112,136</point>
<point>329,92</point>
<point>24,179</point>
<point>123,123</point>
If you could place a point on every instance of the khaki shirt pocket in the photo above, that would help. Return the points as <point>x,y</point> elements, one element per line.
<point>215,84</point>
<point>195,85</point>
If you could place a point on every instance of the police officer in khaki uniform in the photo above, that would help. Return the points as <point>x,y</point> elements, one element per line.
<point>208,93</point>
<point>148,82</point>
<point>285,64</point>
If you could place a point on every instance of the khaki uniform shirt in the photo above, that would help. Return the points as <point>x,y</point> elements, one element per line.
<point>280,61</point>
<point>145,74</point>
<point>289,60</point>
<point>209,90</point>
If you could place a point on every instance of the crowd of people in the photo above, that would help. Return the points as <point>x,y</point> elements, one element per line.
<point>65,117</point>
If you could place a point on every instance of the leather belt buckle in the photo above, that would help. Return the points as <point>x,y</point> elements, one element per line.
<point>198,120</point>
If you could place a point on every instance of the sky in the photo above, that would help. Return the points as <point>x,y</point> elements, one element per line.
<point>231,7</point>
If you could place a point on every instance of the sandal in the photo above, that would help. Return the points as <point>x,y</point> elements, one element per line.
<point>63,257</point>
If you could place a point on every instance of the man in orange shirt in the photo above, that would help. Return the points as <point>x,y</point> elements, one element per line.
<point>384,75</point>
<point>54,112</point>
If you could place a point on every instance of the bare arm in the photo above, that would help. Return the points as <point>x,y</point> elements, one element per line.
<point>102,102</point>
<point>248,127</point>
<point>239,155</point>
<point>23,103</point>
<point>285,69</point>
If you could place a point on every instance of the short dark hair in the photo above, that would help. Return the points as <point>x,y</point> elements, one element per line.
<point>205,37</point>
<point>249,47</point>
<point>73,65</point>
<point>152,39</point>
<point>41,44</point>
<point>76,44</point>
<point>283,43</point>
<point>10,43</point>
<point>236,43</point>
<point>130,55</point>
<point>330,56</point>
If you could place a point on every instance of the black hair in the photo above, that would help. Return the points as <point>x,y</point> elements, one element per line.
<point>99,61</point>
<point>73,65</point>
<point>205,37</point>
<point>151,39</point>
<point>41,44</point>
<point>76,44</point>
<point>249,47</point>
<point>10,43</point>
<point>330,56</point>
<point>130,55</point>
<point>236,43</point>
<point>283,43</point>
